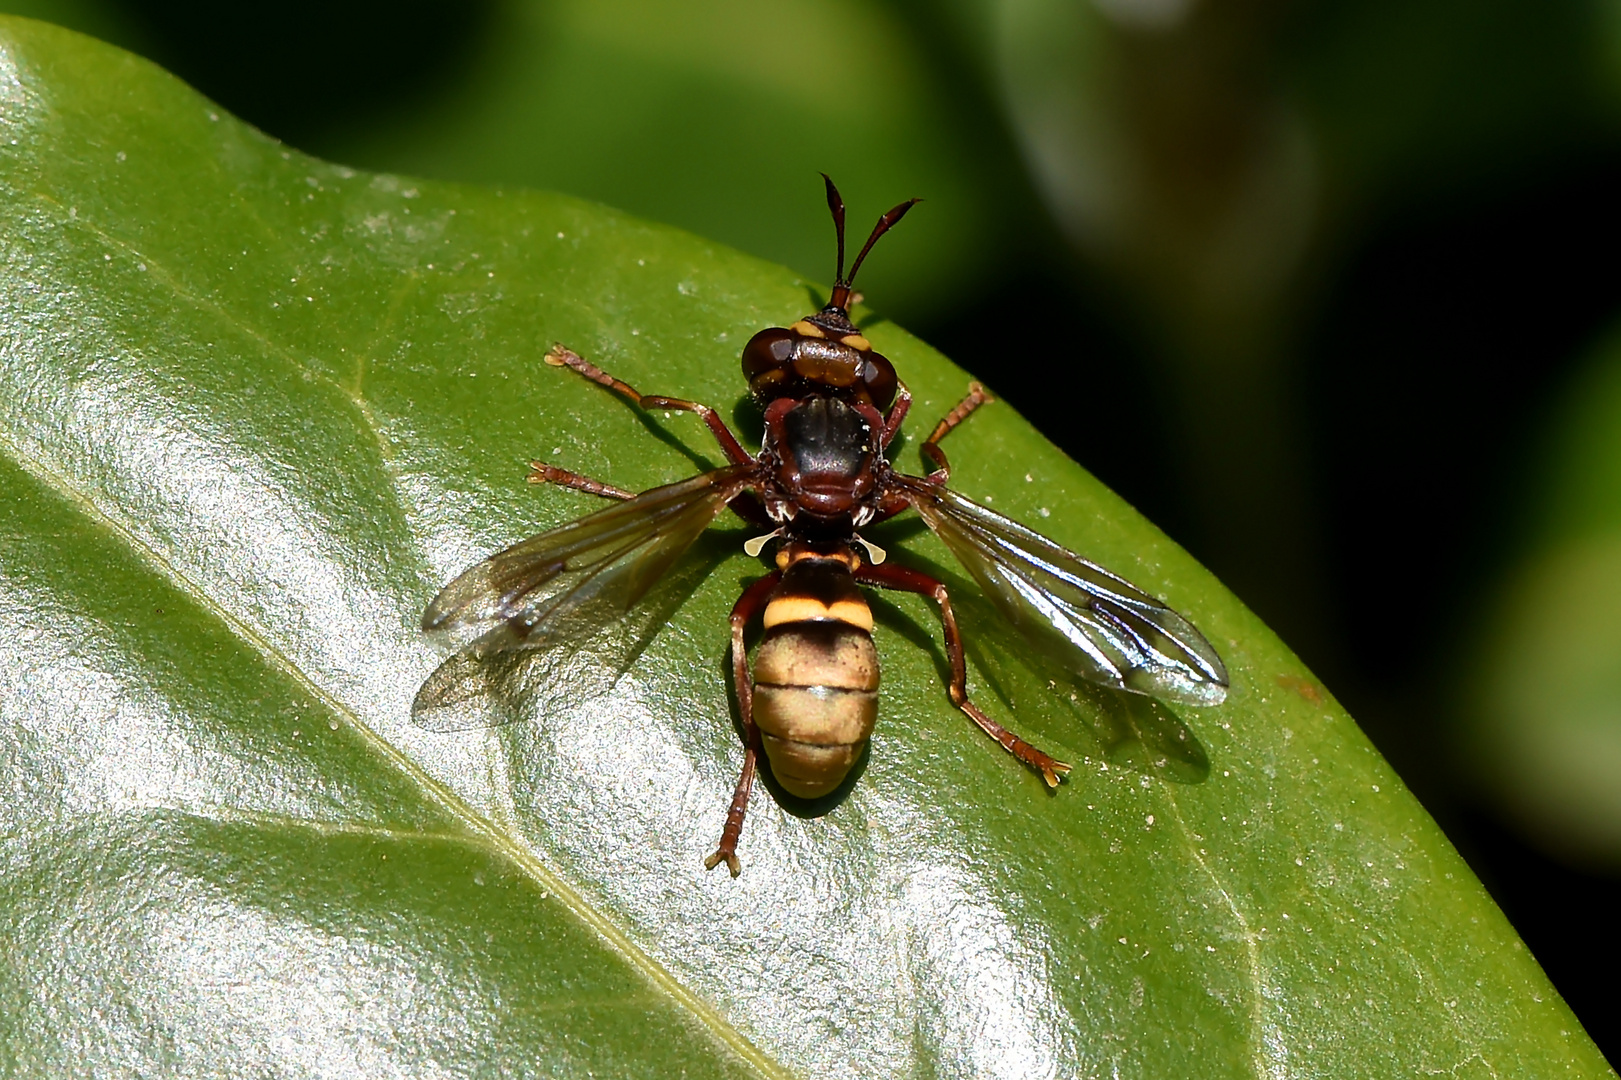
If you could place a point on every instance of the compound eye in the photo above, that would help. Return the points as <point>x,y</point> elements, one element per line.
<point>772,349</point>
<point>879,378</point>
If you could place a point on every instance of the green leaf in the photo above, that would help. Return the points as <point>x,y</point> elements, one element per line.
<point>256,409</point>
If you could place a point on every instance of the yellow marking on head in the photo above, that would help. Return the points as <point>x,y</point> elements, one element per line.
<point>807,329</point>
<point>790,609</point>
<point>856,341</point>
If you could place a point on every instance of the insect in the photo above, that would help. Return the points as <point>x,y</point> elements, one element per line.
<point>832,406</point>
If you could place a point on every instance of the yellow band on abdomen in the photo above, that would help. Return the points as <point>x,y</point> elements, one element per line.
<point>788,609</point>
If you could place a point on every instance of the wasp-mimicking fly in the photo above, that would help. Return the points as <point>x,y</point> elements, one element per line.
<point>832,406</point>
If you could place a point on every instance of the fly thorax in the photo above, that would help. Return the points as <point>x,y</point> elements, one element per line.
<point>828,439</point>
<point>827,450</point>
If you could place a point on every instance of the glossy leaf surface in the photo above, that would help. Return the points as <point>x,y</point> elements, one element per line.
<point>255,410</point>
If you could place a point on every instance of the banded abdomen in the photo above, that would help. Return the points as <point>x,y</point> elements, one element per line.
<point>815,676</point>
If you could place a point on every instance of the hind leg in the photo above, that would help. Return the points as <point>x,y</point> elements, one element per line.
<point>905,579</point>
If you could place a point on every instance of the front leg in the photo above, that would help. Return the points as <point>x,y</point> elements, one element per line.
<point>897,414</point>
<point>977,396</point>
<point>562,356</point>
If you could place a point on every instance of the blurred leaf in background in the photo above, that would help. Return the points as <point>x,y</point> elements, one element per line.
<point>1213,161</point>
<point>1546,722</point>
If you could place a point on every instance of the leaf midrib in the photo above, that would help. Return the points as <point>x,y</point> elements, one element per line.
<point>482,833</point>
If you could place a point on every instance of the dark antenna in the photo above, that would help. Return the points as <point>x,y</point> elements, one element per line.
<point>840,300</point>
<point>835,203</point>
<point>885,223</point>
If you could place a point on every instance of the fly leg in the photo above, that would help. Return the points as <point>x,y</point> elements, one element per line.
<point>905,579</point>
<point>748,605</point>
<point>897,413</point>
<point>977,396</point>
<point>746,504</point>
<point>542,473</point>
<point>562,356</point>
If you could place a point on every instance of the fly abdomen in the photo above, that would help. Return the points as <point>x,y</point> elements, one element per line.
<point>815,677</point>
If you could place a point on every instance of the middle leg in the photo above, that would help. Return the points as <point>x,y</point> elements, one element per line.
<point>542,473</point>
<point>745,504</point>
<point>905,579</point>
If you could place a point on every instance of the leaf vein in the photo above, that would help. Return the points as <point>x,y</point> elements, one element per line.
<point>1268,1054</point>
<point>527,861</point>
<point>272,348</point>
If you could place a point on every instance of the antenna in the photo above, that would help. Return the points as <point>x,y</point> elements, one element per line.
<point>885,223</point>
<point>835,203</point>
<point>840,300</point>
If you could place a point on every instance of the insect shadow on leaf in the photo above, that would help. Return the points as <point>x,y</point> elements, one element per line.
<point>749,420</point>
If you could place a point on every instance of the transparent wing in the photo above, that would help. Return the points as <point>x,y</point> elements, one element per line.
<point>1092,623</point>
<point>564,585</point>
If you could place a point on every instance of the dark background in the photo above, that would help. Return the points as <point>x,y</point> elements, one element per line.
<point>1315,285</point>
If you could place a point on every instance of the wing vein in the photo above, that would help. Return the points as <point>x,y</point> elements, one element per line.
<point>1096,624</point>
